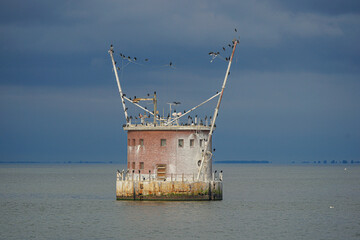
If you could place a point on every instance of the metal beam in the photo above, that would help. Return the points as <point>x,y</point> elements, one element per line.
<point>206,150</point>
<point>111,51</point>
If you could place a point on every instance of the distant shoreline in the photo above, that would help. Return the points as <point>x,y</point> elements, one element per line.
<point>314,163</point>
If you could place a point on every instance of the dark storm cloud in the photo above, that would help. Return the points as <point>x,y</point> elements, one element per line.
<point>292,86</point>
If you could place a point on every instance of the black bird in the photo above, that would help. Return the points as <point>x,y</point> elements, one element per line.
<point>148,94</point>
<point>146,59</point>
<point>115,62</point>
<point>129,57</point>
<point>177,102</point>
<point>124,95</point>
<point>120,54</point>
<point>184,111</point>
<point>135,58</point>
<point>134,97</point>
<point>229,45</point>
<point>223,48</point>
<point>170,64</point>
<point>129,98</point>
<point>229,73</point>
<point>235,30</point>
<point>145,107</point>
<point>211,53</point>
<point>214,150</point>
<point>217,53</point>
<point>126,109</point>
<point>118,68</point>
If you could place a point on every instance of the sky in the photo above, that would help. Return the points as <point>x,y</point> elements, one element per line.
<point>293,93</point>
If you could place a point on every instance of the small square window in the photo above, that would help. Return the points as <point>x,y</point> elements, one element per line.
<point>192,142</point>
<point>141,165</point>
<point>141,142</point>
<point>201,142</point>
<point>181,143</point>
<point>163,142</point>
<point>133,142</point>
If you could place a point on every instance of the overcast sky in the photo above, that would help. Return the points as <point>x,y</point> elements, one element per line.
<point>293,93</point>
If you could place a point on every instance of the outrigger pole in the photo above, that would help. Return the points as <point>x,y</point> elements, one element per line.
<point>111,51</point>
<point>207,152</point>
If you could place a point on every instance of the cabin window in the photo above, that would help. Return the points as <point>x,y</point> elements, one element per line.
<point>133,165</point>
<point>191,142</point>
<point>133,142</point>
<point>181,143</point>
<point>163,142</point>
<point>141,165</point>
<point>141,142</point>
<point>201,142</point>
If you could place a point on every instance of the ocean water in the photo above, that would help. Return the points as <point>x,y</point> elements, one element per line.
<point>39,201</point>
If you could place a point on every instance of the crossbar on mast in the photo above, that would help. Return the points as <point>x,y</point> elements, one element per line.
<point>192,109</point>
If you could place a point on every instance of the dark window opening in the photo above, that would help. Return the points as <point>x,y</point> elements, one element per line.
<point>181,143</point>
<point>163,142</point>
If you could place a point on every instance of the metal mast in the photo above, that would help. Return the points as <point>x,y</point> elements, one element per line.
<point>111,51</point>
<point>207,152</point>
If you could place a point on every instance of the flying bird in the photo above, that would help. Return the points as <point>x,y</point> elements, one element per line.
<point>171,64</point>
<point>235,30</point>
<point>223,48</point>
<point>146,59</point>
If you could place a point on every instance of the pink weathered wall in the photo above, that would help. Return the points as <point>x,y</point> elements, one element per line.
<point>179,160</point>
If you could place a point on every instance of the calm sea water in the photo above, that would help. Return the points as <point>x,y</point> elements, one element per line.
<point>260,202</point>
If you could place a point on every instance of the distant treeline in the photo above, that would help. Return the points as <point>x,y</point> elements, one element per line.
<point>329,162</point>
<point>244,162</point>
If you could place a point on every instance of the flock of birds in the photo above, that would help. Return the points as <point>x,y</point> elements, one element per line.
<point>138,61</point>
<point>170,64</point>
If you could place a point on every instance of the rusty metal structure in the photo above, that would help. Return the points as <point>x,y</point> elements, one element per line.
<point>167,160</point>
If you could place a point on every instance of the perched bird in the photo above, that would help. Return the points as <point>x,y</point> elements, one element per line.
<point>118,68</point>
<point>170,64</point>
<point>148,94</point>
<point>229,45</point>
<point>135,58</point>
<point>223,48</point>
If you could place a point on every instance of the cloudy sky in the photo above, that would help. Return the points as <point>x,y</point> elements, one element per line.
<point>293,93</point>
